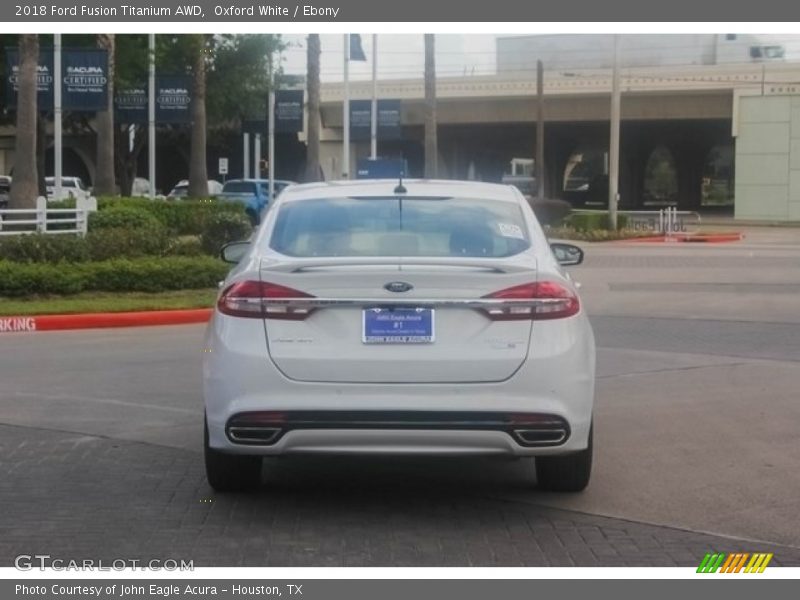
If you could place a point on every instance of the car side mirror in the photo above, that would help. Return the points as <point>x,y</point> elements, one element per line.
<point>234,251</point>
<point>567,255</point>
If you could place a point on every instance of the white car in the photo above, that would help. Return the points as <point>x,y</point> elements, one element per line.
<point>386,317</point>
<point>181,189</point>
<point>71,187</point>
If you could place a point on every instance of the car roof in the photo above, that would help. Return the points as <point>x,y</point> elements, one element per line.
<point>414,187</point>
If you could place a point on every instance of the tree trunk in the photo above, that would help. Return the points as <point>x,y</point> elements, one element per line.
<point>431,145</point>
<point>198,172</point>
<point>24,187</point>
<point>104,181</point>
<point>127,160</point>
<point>41,149</point>
<point>313,170</point>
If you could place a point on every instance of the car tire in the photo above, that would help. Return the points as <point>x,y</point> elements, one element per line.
<point>230,472</point>
<point>567,473</point>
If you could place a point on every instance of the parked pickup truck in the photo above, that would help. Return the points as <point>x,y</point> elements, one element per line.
<point>253,193</point>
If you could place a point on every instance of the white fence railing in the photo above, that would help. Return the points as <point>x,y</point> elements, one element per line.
<point>43,219</point>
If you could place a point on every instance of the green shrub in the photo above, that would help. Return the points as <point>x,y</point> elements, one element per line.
<point>120,275</point>
<point>122,217</point>
<point>65,203</point>
<point>181,217</point>
<point>44,248</point>
<point>223,228</point>
<point>595,235</point>
<point>593,221</point>
<point>22,279</point>
<point>186,246</point>
<point>117,242</point>
<point>550,212</point>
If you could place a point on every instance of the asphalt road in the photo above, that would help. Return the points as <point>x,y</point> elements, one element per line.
<point>696,422</point>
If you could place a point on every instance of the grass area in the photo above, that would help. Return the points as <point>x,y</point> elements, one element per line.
<point>91,302</point>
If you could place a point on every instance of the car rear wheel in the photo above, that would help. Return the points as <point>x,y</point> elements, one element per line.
<point>567,473</point>
<point>231,472</point>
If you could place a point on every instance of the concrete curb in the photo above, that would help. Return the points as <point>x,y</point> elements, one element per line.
<point>103,320</point>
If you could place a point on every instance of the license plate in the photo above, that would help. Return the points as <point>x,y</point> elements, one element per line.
<point>398,326</point>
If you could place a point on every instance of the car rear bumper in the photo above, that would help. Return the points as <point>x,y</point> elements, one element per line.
<point>556,381</point>
<point>383,441</point>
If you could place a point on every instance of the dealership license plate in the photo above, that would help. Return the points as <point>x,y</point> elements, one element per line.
<point>398,326</point>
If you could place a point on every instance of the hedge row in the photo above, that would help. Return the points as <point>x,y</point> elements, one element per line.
<point>114,235</point>
<point>98,245</point>
<point>121,275</point>
<point>180,217</point>
<point>594,235</point>
<point>593,221</point>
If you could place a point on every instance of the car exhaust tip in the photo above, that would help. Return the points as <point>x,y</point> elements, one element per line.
<point>551,436</point>
<point>253,435</point>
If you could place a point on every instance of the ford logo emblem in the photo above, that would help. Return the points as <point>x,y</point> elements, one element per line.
<point>398,286</point>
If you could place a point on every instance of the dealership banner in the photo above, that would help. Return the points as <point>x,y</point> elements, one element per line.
<point>131,105</point>
<point>173,99</point>
<point>288,111</point>
<point>85,80</point>
<point>44,75</point>
<point>389,124</point>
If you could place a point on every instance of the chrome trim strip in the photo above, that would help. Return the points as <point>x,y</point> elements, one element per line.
<point>412,302</point>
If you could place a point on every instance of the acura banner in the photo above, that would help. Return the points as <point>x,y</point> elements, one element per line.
<point>84,79</point>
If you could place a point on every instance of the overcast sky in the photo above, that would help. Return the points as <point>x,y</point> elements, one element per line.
<point>399,56</point>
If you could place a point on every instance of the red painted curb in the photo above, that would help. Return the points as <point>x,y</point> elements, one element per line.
<point>102,320</point>
<point>709,238</point>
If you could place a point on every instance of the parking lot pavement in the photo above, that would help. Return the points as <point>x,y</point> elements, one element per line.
<point>755,280</point>
<point>100,435</point>
<point>75,496</point>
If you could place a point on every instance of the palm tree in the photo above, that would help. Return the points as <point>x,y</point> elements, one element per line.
<point>24,188</point>
<point>104,182</point>
<point>312,139</point>
<point>431,146</point>
<point>198,171</point>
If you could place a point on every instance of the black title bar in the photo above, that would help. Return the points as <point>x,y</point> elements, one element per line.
<point>316,11</point>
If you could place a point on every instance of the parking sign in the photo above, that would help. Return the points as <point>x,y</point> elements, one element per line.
<point>223,166</point>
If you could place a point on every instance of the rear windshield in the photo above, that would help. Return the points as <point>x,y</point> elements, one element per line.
<point>240,187</point>
<point>400,227</point>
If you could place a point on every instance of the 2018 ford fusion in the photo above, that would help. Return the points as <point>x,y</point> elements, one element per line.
<point>392,317</point>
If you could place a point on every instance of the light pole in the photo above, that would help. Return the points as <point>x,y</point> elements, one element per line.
<point>57,114</point>
<point>151,114</point>
<point>613,151</point>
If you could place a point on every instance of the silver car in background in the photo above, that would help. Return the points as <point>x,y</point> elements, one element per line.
<point>389,317</point>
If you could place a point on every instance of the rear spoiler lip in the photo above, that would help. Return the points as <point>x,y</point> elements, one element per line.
<point>511,264</point>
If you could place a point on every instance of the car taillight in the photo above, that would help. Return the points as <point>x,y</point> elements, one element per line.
<point>557,302</point>
<point>252,299</point>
